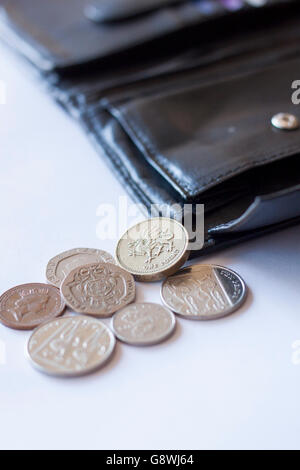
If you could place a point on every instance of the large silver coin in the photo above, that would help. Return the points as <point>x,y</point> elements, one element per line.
<point>143,324</point>
<point>61,265</point>
<point>204,292</point>
<point>71,346</point>
<point>153,249</point>
<point>98,289</point>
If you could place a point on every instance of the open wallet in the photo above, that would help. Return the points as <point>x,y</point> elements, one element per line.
<point>190,102</point>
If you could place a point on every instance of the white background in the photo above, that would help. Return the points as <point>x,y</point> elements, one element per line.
<point>221,385</point>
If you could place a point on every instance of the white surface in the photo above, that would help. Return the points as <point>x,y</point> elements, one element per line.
<point>221,385</point>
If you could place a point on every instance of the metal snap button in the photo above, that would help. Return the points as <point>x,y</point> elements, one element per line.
<point>285,121</point>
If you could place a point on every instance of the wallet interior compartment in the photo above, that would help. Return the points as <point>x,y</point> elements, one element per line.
<point>206,135</point>
<point>266,196</point>
<point>202,61</point>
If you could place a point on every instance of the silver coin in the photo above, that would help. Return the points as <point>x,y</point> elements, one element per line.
<point>98,289</point>
<point>61,265</point>
<point>153,249</point>
<point>143,324</point>
<point>27,306</point>
<point>71,346</point>
<point>204,292</point>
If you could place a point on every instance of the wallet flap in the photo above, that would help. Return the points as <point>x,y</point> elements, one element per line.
<point>205,135</point>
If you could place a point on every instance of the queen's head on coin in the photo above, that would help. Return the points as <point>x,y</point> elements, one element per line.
<point>25,307</point>
<point>28,305</point>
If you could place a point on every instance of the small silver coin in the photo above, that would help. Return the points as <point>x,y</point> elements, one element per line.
<point>28,306</point>
<point>61,265</point>
<point>71,346</point>
<point>98,289</point>
<point>204,292</point>
<point>143,324</point>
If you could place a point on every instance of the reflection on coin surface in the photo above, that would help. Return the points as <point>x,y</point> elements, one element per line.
<point>204,292</point>
<point>60,266</point>
<point>153,249</point>
<point>71,346</point>
<point>98,289</point>
<point>143,324</point>
<point>28,306</point>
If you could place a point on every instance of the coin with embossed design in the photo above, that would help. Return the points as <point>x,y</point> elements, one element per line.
<point>204,292</point>
<point>98,289</point>
<point>63,264</point>
<point>28,306</point>
<point>153,249</point>
<point>71,346</point>
<point>143,324</point>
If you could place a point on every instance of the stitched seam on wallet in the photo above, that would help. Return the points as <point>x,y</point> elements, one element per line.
<point>150,148</point>
<point>119,167</point>
<point>116,161</point>
<point>153,153</point>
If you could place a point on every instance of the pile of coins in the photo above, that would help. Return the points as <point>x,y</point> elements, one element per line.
<point>94,285</point>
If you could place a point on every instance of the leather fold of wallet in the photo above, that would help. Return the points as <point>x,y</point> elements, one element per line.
<point>180,97</point>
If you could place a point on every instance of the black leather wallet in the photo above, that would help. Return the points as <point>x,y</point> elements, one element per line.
<point>190,102</point>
